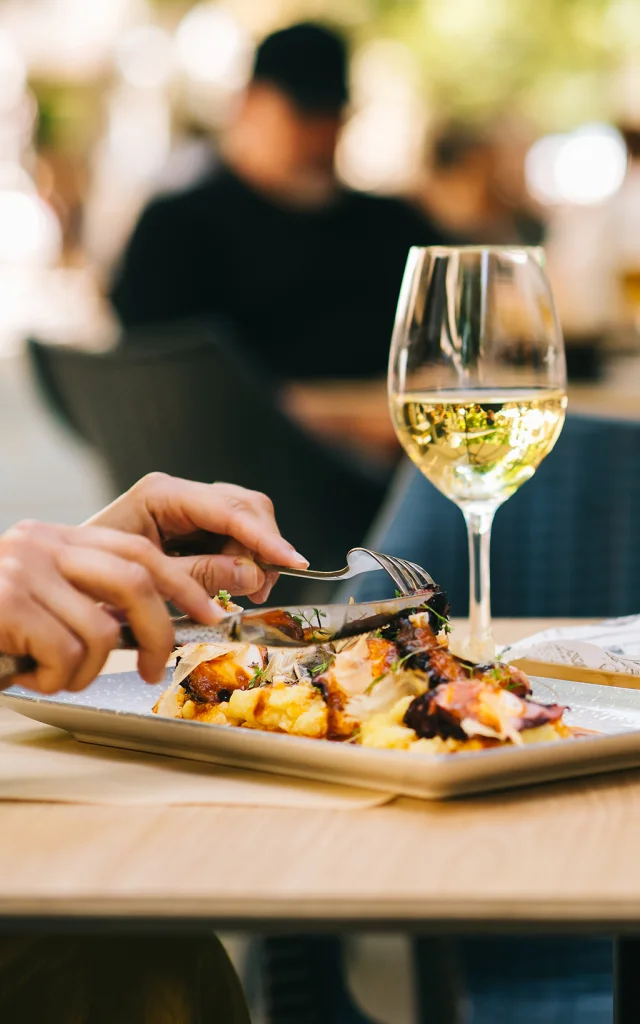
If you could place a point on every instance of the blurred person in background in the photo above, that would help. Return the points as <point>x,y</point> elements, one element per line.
<point>304,269</point>
<point>465,190</point>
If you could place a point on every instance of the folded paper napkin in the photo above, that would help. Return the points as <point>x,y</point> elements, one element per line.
<point>40,763</point>
<point>609,646</point>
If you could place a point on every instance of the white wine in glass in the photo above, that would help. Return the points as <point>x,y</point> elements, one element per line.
<point>477,383</point>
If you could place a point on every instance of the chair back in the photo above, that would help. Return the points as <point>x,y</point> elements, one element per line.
<point>183,400</point>
<point>566,544</point>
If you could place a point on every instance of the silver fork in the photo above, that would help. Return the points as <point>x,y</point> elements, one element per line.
<point>407,576</point>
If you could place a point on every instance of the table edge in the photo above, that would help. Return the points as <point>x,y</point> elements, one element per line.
<point>443,914</point>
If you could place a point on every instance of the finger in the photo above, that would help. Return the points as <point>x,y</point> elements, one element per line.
<point>181,506</point>
<point>129,587</point>
<point>261,595</point>
<point>234,547</point>
<point>171,578</point>
<point>58,653</point>
<point>248,517</point>
<point>236,574</point>
<point>94,626</point>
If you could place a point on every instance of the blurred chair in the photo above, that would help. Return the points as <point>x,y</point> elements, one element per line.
<point>183,400</point>
<point>566,544</point>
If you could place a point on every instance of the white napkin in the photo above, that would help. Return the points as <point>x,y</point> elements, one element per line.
<point>609,646</point>
<point>38,762</point>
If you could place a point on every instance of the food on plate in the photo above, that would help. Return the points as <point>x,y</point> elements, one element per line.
<point>400,688</point>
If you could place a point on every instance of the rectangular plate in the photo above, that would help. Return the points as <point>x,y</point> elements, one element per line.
<point>115,711</point>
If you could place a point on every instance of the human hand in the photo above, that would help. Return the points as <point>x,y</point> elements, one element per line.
<point>230,527</point>
<point>51,580</point>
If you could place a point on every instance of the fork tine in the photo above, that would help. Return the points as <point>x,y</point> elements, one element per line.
<point>395,571</point>
<point>422,574</point>
<point>416,580</point>
<point>410,573</point>
<point>407,583</point>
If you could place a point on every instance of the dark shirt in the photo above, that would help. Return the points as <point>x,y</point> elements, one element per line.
<point>312,292</point>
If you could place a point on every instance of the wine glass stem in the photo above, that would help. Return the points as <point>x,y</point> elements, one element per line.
<point>479,532</point>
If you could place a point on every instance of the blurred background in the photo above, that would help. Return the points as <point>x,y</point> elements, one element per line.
<point>501,120</point>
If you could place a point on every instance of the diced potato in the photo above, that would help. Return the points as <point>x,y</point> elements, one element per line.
<point>241,705</point>
<point>424,746</point>
<point>213,715</point>
<point>543,733</point>
<point>384,734</point>
<point>312,723</point>
<point>188,709</point>
<point>399,710</point>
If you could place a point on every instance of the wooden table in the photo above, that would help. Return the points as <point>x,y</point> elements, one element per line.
<point>559,857</point>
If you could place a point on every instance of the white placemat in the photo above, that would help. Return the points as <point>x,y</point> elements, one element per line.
<point>609,646</point>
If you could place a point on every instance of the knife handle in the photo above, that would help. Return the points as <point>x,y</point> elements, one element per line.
<point>14,665</point>
<point>17,664</point>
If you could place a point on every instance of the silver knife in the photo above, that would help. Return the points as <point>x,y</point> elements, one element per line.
<point>295,626</point>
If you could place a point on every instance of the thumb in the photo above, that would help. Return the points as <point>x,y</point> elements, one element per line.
<point>235,573</point>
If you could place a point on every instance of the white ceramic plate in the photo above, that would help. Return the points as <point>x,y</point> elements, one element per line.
<point>116,711</point>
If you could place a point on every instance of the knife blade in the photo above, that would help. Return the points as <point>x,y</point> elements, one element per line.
<point>297,626</point>
<point>293,626</point>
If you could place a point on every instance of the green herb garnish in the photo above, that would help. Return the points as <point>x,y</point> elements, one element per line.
<point>223,597</point>
<point>397,665</point>
<point>466,664</point>
<point>257,678</point>
<point>373,682</point>
<point>318,669</point>
<point>442,618</point>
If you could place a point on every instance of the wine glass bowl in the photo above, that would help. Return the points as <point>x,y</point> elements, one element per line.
<point>477,386</point>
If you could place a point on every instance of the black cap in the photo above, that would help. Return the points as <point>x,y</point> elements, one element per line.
<point>309,63</point>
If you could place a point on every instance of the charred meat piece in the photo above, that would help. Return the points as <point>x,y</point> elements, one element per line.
<point>213,682</point>
<point>437,609</point>
<point>507,676</point>
<point>474,707</point>
<point>420,649</point>
<point>280,621</point>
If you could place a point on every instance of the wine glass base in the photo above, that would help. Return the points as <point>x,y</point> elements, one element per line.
<point>477,649</point>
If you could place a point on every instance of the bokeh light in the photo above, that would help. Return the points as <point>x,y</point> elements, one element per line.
<point>585,167</point>
<point>139,133</point>
<point>145,56</point>
<point>213,47</point>
<point>381,144</point>
<point>29,230</point>
<point>13,72</point>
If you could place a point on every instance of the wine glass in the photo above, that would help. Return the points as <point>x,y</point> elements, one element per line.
<point>477,382</point>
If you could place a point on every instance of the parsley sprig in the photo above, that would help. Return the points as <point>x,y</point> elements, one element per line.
<point>319,669</point>
<point>257,679</point>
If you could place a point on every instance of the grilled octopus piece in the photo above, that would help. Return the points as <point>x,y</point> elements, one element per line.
<point>441,711</point>
<point>213,682</point>
<point>420,649</point>
<point>437,607</point>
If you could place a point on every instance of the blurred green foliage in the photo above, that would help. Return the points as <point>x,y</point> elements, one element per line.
<point>552,59</point>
